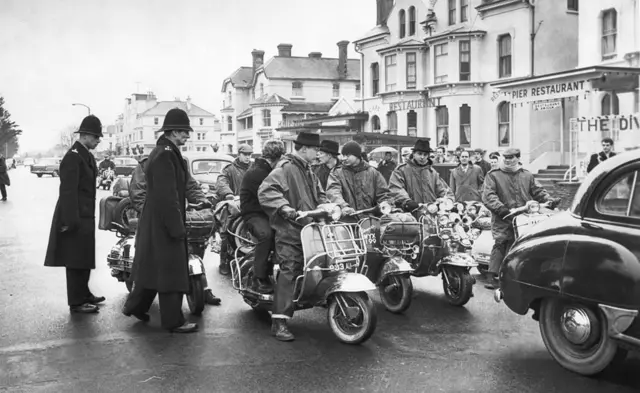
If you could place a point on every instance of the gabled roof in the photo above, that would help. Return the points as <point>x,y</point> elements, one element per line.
<point>162,107</point>
<point>376,31</point>
<point>309,68</point>
<point>241,78</point>
<point>271,99</point>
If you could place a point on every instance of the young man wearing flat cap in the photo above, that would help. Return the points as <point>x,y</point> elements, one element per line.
<point>416,181</point>
<point>161,262</point>
<point>72,239</point>
<point>507,188</point>
<point>328,157</point>
<point>478,159</point>
<point>290,187</point>
<point>227,187</point>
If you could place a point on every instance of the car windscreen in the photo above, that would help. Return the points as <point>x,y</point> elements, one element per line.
<point>203,166</point>
<point>126,162</point>
<point>47,161</point>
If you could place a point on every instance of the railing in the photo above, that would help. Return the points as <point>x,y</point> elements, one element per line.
<point>543,148</point>
<point>579,169</point>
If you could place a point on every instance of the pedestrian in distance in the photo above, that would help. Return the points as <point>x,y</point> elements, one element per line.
<point>72,239</point>
<point>328,157</point>
<point>161,262</point>
<point>478,159</point>
<point>494,160</point>
<point>4,178</point>
<point>387,166</point>
<point>606,153</point>
<point>466,180</point>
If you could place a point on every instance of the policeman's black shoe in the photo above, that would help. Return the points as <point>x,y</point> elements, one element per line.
<point>85,308</point>
<point>96,299</point>
<point>224,269</point>
<point>187,327</point>
<point>263,286</point>
<point>210,298</point>
<point>4,199</point>
<point>140,316</point>
<point>280,330</point>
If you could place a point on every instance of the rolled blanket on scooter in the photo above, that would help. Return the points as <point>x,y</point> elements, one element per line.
<point>396,228</point>
<point>199,223</point>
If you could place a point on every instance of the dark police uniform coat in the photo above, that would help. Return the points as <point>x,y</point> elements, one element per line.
<point>161,259</point>
<point>75,247</point>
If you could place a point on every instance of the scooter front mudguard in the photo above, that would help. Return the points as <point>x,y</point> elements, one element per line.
<point>393,266</point>
<point>344,282</point>
<point>195,265</point>
<point>459,259</point>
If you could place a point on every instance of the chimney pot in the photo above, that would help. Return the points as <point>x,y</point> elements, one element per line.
<point>315,55</point>
<point>284,50</point>
<point>342,59</point>
<point>258,59</point>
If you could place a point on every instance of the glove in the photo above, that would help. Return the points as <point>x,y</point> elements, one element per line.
<point>348,211</point>
<point>554,202</point>
<point>503,212</point>
<point>229,197</point>
<point>205,204</point>
<point>411,206</point>
<point>288,213</point>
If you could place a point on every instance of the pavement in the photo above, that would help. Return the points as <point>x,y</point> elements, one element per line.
<point>433,347</point>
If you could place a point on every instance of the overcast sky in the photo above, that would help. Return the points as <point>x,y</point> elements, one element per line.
<point>57,52</point>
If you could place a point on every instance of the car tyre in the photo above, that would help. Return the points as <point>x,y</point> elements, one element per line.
<point>39,174</point>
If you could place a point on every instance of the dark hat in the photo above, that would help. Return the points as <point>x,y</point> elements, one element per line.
<point>176,119</point>
<point>512,151</point>
<point>352,148</point>
<point>245,148</point>
<point>91,125</point>
<point>308,139</point>
<point>422,145</point>
<point>479,150</point>
<point>331,147</point>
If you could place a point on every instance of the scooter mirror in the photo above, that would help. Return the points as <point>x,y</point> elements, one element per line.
<point>385,208</point>
<point>534,207</point>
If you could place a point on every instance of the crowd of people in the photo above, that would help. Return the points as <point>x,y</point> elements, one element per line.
<point>272,191</point>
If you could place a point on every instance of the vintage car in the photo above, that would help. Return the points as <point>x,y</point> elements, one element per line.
<point>47,166</point>
<point>205,168</point>
<point>125,165</point>
<point>579,271</point>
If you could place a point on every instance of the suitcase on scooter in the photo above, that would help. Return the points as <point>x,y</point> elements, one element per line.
<point>107,207</point>
<point>199,223</point>
<point>399,228</point>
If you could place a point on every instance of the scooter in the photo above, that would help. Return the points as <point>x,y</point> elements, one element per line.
<point>446,248</point>
<point>390,243</point>
<point>106,178</point>
<point>330,278</point>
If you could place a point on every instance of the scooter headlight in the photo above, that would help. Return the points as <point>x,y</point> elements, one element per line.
<point>385,208</point>
<point>447,204</point>
<point>534,207</point>
<point>432,208</point>
<point>465,243</point>
<point>459,208</point>
<point>205,188</point>
<point>474,233</point>
<point>445,234</point>
<point>443,220</point>
<point>416,249</point>
<point>454,217</point>
<point>472,210</point>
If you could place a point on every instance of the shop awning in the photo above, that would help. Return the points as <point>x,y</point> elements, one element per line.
<point>564,84</point>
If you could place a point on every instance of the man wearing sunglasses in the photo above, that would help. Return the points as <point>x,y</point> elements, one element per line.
<point>506,188</point>
<point>606,153</point>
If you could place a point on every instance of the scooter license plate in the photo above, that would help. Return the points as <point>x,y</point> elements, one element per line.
<point>335,267</point>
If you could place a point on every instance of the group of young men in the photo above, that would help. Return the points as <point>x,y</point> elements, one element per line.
<point>272,191</point>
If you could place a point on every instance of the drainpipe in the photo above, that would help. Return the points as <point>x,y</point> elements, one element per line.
<point>532,9</point>
<point>362,84</point>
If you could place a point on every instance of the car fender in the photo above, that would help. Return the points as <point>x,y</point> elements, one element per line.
<point>601,271</point>
<point>531,270</point>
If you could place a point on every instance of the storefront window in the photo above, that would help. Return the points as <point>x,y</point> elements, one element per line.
<point>504,124</point>
<point>412,123</point>
<point>465,125</point>
<point>392,123</point>
<point>442,125</point>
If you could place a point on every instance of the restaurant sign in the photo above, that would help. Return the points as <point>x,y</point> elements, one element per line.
<point>414,104</point>
<point>538,92</point>
<point>606,123</point>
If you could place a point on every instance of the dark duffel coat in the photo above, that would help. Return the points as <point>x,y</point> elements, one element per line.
<point>249,203</point>
<point>4,176</point>
<point>76,210</point>
<point>161,259</point>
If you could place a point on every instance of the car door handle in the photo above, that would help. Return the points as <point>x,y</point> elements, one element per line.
<point>591,226</point>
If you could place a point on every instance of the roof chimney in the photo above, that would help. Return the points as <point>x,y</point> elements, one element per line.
<point>383,9</point>
<point>284,50</point>
<point>258,59</point>
<point>315,55</point>
<point>342,59</point>
<point>188,103</point>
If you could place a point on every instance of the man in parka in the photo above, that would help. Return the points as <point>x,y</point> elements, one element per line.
<point>227,186</point>
<point>356,185</point>
<point>72,240</point>
<point>466,180</point>
<point>507,188</point>
<point>289,188</point>
<point>328,157</point>
<point>161,262</point>
<point>138,193</point>
<point>416,181</point>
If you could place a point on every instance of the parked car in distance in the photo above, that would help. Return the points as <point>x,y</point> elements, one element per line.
<point>125,165</point>
<point>46,166</point>
<point>205,167</point>
<point>579,270</point>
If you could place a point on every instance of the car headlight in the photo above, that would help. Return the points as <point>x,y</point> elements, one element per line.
<point>534,207</point>
<point>205,188</point>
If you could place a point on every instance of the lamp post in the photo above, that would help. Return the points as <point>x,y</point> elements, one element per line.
<point>86,106</point>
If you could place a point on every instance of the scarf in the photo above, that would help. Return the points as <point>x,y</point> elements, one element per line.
<point>510,168</point>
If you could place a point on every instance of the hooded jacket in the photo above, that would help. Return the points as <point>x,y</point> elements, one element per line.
<point>359,187</point>
<point>230,179</point>
<point>420,184</point>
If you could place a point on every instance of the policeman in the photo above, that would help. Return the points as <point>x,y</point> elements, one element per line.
<point>227,186</point>
<point>72,240</point>
<point>289,188</point>
<point>161,262</point>
<point>505,189</point>
<point>328,157</point>
<point>416,181</point>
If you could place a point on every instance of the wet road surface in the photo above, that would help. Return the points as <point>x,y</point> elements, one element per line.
<point>434,347</point>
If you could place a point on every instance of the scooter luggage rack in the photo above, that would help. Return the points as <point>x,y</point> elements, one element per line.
<point>401,245</point>
<point>338,246</point>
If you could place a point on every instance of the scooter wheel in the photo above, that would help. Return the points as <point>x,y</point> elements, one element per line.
<point>396,292</point>
<point>360,320</point>
<point>460,287</point>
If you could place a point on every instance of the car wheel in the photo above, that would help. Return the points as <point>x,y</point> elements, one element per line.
<point>39,174</point>
<point>576,336</point>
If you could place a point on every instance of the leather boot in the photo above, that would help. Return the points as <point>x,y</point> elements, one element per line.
<point>262,285</point>
<point>224,268</point>
<point>492,281</point>
<point>280,330</point>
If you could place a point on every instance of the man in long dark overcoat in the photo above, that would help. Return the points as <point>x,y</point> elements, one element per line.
<point>4,178</point>
<point>72,240</point>
<point>161,262</point>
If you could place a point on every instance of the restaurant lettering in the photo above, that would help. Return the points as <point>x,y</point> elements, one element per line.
<point>606,123</point>
<point>414,104</point>
<point>564,89</point>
